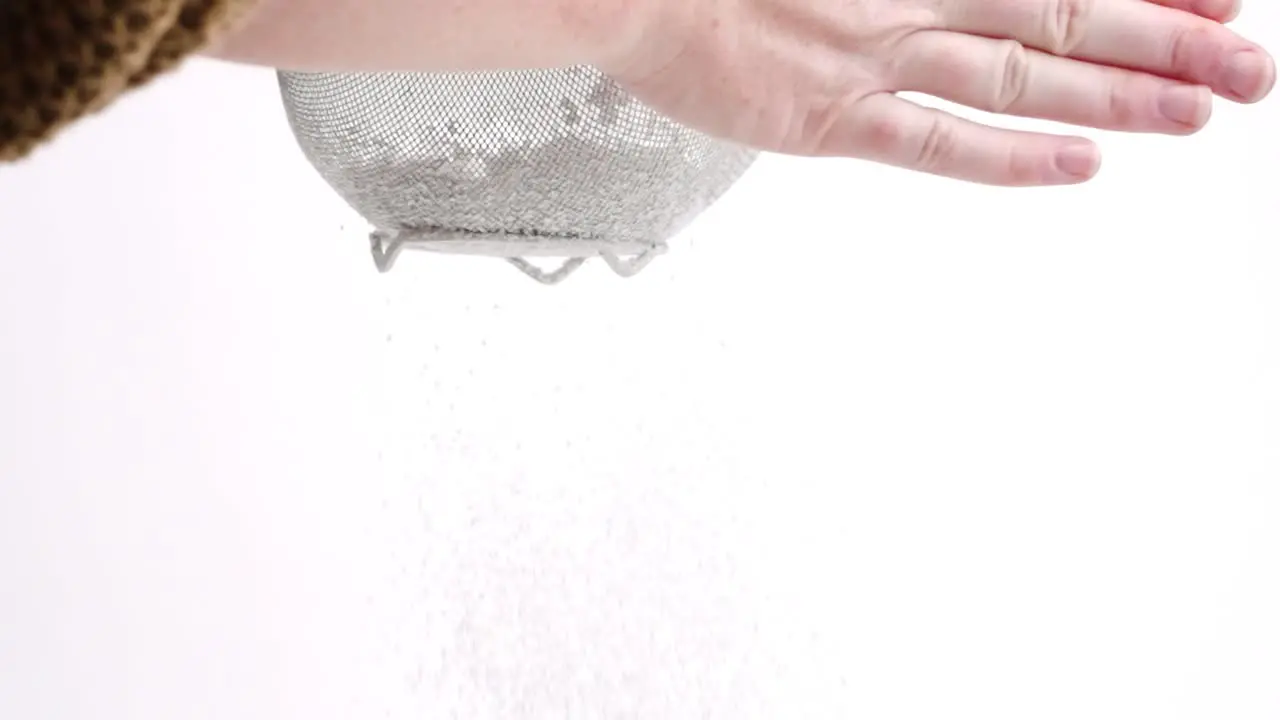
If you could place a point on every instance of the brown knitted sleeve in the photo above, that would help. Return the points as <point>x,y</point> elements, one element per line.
<point>61,60</point>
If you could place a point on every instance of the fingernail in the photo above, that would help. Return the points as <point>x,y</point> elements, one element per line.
<point>1185,105</point>
<point>1249,75</point>
<point>1079,160</point>
<point>1221,10</point>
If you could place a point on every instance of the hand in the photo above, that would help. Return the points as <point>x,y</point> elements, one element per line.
<point>819,77</point>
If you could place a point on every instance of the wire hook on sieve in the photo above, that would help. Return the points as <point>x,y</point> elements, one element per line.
<point>386,248</point>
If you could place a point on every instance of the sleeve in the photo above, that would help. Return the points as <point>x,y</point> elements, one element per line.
<point>61,60</point>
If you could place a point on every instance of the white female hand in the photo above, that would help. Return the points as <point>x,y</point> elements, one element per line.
<point>820,77</point>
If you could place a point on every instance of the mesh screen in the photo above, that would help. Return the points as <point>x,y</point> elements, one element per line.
<point>513,164</point>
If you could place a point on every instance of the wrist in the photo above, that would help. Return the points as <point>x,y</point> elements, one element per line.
<point>442,35</point>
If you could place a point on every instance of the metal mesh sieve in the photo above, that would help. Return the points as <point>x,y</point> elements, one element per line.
<point>515,164</point>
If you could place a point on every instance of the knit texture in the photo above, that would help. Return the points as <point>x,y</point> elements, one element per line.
<point>61,60</point>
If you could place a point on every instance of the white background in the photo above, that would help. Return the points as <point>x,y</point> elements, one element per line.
<point>864,445</point>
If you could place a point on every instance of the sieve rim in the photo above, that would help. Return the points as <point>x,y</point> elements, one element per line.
<point>505,245</point>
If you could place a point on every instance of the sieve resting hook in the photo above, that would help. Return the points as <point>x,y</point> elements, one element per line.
<point>544,277</point>
<point>387,246</point>
<point>629,267</point>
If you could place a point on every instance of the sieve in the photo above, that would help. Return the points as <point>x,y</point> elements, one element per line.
<point>561,164</point>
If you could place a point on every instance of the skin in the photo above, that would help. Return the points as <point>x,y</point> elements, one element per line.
<point>822,77</point>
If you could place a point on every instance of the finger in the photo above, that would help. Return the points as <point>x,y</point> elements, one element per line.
<point>1222,11</point>
<point>1000,76</point>
<point>1130,34</point>
<point>887,129</point>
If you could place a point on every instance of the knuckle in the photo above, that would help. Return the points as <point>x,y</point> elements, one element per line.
<point>1185,49</point>
<point>1066,22</point>
<point>937,146</point>
<point>1015,74</point>
<point>1026,168</point>
<point>1121,108</point>
<point>882,133</point>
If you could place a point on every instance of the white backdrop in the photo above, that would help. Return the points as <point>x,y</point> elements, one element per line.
<point>864,445</point>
